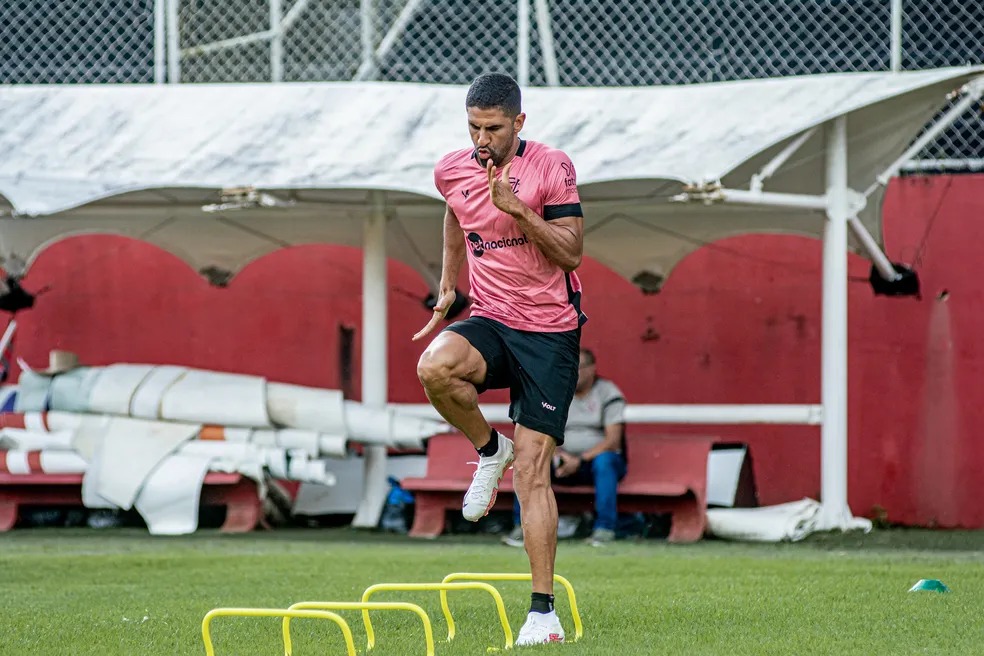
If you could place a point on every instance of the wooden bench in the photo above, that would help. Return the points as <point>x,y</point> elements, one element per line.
<point>665,475</point>
<point>244,508</point>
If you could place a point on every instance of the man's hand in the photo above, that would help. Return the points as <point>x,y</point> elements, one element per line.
<point>440,310</point>
<point>568,465</point>
<point>500,190</point>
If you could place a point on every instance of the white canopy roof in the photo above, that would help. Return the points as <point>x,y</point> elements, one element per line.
<point>143,160</point>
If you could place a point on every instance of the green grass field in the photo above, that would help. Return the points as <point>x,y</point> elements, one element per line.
<point>119,591</point>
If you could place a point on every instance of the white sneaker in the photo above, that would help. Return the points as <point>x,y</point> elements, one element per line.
<point>485,481</point>
<point>540,629</point>
<point>515,538</point>
<point>600,537</point>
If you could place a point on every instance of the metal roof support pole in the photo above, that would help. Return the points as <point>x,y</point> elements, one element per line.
<point>368,34</point>
<point>545,29</point>
<point>160,42</point>
<point>523,43</point>
<point>369,70</point>
<point>882,264</point>
<point>833,430</point>
<point>895,44</point>
<point>173,23</point>
<point>972,92</point>
<point>776,162</point>
<point>276,42</point>
<point>374,369</point>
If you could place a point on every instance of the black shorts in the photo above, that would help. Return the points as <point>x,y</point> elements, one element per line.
<point>539,369</point>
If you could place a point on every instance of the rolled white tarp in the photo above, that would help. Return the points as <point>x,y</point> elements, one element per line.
<point>787,522</point>
<point>389,426</point>
<point>131,450</point>
<point>31,461</point>
<point>28,440</point>
<point>148,397</point>
<point>30,428</point>
<point>210,397</point>
<point>194,396</point>
<point>114,390</point>
<point>170,497</point>
<point>296,406</point>
<point>90,480</point>
<point>287,464</point>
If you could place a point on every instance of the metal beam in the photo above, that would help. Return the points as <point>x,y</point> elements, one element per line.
<point>523,42</point>
<point>374,367</point>
<point>973,91</point>
<point>276,42</point>
<point>835,513</point>
<point>545,29</point>
<point>283,27</point>
<point>714,193</point>
<point>160,41</point>
<point>368,70</point>
<point>691,413</point>
<point>896,41</point>
<point>368,34</point>
<point>871,248</point>
<point>173,42</point>
<point>776,162</point>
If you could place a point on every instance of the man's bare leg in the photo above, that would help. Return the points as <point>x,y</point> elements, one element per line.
<point>449,370</point>
<point>531,472</point>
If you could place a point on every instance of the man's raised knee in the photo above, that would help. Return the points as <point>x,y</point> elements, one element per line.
<point>434,370</point>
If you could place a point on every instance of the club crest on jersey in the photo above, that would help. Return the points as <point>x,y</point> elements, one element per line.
<point>514,183</point>
<point>479,245</point>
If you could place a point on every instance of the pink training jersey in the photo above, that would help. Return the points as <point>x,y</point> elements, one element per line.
<point>511,280</point>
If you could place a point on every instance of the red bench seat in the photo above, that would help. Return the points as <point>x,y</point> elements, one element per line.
<point>244,508</point>
<point>665,475</point>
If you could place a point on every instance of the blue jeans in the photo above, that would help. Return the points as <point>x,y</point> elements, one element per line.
<point>603,473</point>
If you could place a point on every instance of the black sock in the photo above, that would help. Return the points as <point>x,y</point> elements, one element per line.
<point>541,602</point>
<point>492,447</point>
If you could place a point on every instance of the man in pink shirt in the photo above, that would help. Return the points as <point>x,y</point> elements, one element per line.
<point>514,211</point>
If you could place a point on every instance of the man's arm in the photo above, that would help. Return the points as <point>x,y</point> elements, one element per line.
<point>560,240</point>
<point>454,254</point>
<point>570,463</point>
<point>612,418</point>
<point>612,442</point>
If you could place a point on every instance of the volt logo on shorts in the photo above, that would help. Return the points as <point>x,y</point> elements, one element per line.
<point>549,407</point>
<point>479,245</point>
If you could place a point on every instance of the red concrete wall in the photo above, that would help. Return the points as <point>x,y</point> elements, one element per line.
<point>737,322</point>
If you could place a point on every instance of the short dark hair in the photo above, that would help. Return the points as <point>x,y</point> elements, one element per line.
<point>492,90</point>
<point>589,355</point>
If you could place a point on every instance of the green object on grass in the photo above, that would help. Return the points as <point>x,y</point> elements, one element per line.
<point>929,585</point>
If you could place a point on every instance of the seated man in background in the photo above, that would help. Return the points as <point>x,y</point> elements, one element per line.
<point>593,450</point>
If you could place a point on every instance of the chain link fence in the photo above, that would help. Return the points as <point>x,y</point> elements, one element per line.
<point>566,42</point>
<point>70,41</point>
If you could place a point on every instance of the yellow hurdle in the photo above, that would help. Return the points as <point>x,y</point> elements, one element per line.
<point>442,588</point>
<point>274,612</point>
<point>365,607</point>
<point>492,576</point>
